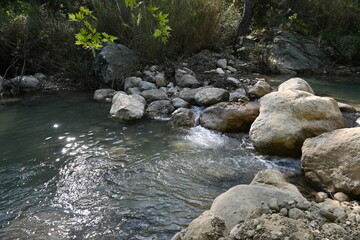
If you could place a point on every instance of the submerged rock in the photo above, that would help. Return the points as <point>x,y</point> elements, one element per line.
<point>331,161</point>
<point>288,117</point>
<point>127,107</point>
<point>229,117</point>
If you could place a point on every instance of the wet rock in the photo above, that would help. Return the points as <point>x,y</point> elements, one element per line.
<point>183,117</point>
<point>154,95</point>
<point>209,96</point>
<point>185,78</point>
<point>180,103</point>
<point>229,117</point>
<point>104,95</point>
<point>160,109</point>
<point>128,108</point>
<point>331,161</point>
<point>260,89</point>
<point>114,63</point>
<point>288,117</point>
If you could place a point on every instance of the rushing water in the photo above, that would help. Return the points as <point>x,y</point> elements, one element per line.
<point>67,171</point>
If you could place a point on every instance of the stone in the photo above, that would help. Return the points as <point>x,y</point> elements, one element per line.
<point>239,96</point>
<point>180,103</point>
<point>222,63</point>
<point>154,95</point>
<point>331,161</point>
<point>296,84</point>
<point>132,91</point>
<point>160,109</point>
<point>149,76</point>
<point>188,94</point>
<point>173,90</point>
<point>273,204</point>
<point>127,107</point>
<point>229,117</point>
<point>104,95</point>
<point>287,118</point>
<point>183,117</point>
<point>143,85</point>
<point>40,76</point>
<point>160,80</point>
<point>320,197</point>
<point>209,96</point>
<point>341,197</point>
<point>236,82</point>
<point>296,213</point>
<point>27,83</point>
<point>283,212</point>
<point>131,82</point>
<point>347,108</point>
<point>114,63</point>
<point>185,78</point>
<point>303,205</point>
<point>231,69</point>
<point>290,52</point>
<point>220,71</point>
<point>260,89</point>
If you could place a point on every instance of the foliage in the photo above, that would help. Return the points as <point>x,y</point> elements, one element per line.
<point>88,37</point>
<point>350,45</point>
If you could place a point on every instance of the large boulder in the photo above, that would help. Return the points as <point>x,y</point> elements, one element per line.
<point>114,63</point>
<point>235,205</point>
<point>209,96</point>
<point>296,84</point>
<point>185,78</point>
<point>127,107</point>
<point>288,117</point>
<point>291,52</point>
<point>230,117</point>
<point>332,161</point>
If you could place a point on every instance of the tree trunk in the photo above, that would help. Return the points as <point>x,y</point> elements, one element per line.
<point>244,23</point>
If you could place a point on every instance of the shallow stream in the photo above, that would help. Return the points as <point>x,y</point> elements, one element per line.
<point>67,171</point>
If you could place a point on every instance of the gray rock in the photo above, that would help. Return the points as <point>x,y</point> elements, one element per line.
<point>222,63</point>
<point>27,83</point>
<point>331,161</point>
<point>160,80</point>
<point>154,95</point>
<point>114,63</point>
<point>229,117</point>
<point>131,82</point>
<point>143,85</point>
<point>209,96</point>
<point>296,84</point>
<point>283,212</point>
<point>180,103</point>
<point>231,69</point>
<point>183,117</point>
<point>303,205</point>
<point>160,109</point>
<point>233,81</point>
<point>320,197</point>
<point>295,213</point>
<point>220,71</point>
<point>173,90</point>
<point>188,94</point>
<point>273,204</point>
<point>185,78</point>
<point>238,95</point>
<point>128,108</point>
<point>290,52</point>
<point>132,91</point>
<point>149,76</point>
<point>1,83</point>
<point>40,76</point>
<point>104,95</point>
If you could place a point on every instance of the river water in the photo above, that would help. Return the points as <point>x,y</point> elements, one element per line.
<point>67,171</point>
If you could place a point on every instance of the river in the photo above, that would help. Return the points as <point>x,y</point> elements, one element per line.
<point>67,171</point>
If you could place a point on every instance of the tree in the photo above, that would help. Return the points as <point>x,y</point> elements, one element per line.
<point>244,23</point>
